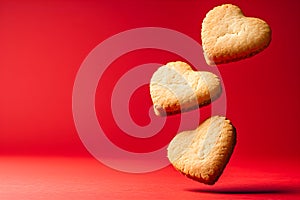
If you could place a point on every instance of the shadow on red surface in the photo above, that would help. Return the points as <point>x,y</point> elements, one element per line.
<point>252,189</point>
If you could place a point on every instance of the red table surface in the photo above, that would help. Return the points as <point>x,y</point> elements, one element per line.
<point>85,178</point>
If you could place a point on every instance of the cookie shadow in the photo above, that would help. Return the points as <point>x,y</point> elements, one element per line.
<point>252,189</point>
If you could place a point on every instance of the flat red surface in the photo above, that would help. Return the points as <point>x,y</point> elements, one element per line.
<point>85,178</point>
<point>42,46</point>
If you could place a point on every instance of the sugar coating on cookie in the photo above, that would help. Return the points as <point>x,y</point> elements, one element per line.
<point>202,154</point>
<point>227,35</point>
<point>176,87</point>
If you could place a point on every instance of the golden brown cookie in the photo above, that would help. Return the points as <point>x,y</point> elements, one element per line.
<point>227,35</point>
<point>203,153</point>
<point>175,88</point>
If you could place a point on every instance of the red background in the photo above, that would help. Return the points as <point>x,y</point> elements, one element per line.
<point>42,45</point>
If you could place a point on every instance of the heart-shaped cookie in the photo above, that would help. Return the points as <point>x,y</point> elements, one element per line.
<point>227,35</point>
<point>175,88</point>
<point>202,154</point>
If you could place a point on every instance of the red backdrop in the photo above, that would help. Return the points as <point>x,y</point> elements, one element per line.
<point>43,43</point>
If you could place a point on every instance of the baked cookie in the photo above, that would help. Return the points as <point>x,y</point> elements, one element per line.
<point>227,35</point>
<point>176,88</point>
<point>203,153</point>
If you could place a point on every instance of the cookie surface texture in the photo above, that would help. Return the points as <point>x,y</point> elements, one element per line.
<point>176,87</point>
<point>227,35</point>
<point>203,153</point>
